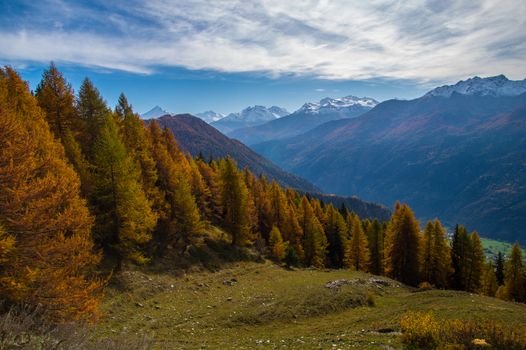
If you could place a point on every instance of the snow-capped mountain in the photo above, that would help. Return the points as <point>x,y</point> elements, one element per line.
<point>497,86</point>
<point>331,105</point>
<point>250,116</point>
<point>210,116</point>
<point>308,117</point>
<point>155,112</point>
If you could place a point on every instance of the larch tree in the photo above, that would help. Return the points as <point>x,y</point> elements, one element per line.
<point>460,257</point>
<point>476,263</point>
<point>277,246</point>
<point>375,236</point>
<point>125,220</point>
<point>402,246</point>
<point>47,249</point>
<point>314,239</point>
<point>489,284</point>
<point>514,276</point>
<point>234,202</point>
<point>93,112</point>
<point>435,261</point>
<point>336,231</point>
<point>188,223</point>
<point>499,268</point>
<point>357,256</point>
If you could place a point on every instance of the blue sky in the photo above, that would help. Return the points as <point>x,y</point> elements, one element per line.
<point>191,56</point>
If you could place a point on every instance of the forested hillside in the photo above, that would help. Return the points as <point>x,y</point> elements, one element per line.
<point>87,191</point>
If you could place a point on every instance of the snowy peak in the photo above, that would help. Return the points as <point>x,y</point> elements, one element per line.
<point>153,113</point>
<point>256,114</point>
<point>492,86</point>
<point>210,116</point>
<point>331,105</point>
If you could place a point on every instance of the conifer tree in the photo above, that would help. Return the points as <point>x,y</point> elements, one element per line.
<point>375,235</point>
<point>93,112</point>
<point>460,257</point>
<point>125,220</point>
<point>357,253</point>
<point>277,246</point>
<point>435,258</point>
<point>402,246</point>
<point>476,263</point>
<point>212,180</point>
<point>55,97</point>
<point>188,222</point>
<point>47,251</point>
<point>489,284</point>
<point>234,203</point>
<point>314,239</point>
<point>514,275</point>
<point>336,231</point>
<point>499,268</point>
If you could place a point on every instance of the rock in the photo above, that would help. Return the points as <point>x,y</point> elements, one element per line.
<point>230,282</point>
<point>336,284</point>
<point>139,304</point>
<point>229,299</point>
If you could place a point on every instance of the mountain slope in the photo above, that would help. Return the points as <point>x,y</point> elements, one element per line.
<point>461,158</point>
<point>196,136</point>
<point>309,116</point>
<point>250,116</point>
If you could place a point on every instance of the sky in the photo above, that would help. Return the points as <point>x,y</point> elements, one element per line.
<point>192,56</point>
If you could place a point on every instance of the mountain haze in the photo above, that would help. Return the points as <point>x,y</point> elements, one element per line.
<point>456,156</point>
<point>309,116</point>
<point>250,116</point>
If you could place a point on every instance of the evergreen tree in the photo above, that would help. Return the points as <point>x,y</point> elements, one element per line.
<point>234,203</point>
<point>46,249</point>
<point>514,275</point>
<point>188,222</point>
<point>402,246</point>
<point>357,254</point>
<point>124,217</point>
<point>93,112</point>
<point>336,232</point>
<point>277,246</point>
<point>315,241</point>
<point>435,259</point>
<point>499,268</point>
<point>489,284</point>
<point>476,264</point>
<point>291,257</point>
<point>460,257</point>
<point>55,97</point>
<point>375,235</point>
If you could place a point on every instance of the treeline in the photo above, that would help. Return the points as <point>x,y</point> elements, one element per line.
<point>81,183</point>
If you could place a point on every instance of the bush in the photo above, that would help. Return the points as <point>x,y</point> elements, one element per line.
<point>425,286</point>
<point>420,330</point>
<point>423,331</point>
<point>25,328</point>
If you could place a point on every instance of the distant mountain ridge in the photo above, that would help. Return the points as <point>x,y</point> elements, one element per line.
<point>250,116</point>
<point>153,113</point>
<point>197,137</point>
<point>458,156</point>
<point>210,116</point>
<point>309,116</point>
<point>497,86</point>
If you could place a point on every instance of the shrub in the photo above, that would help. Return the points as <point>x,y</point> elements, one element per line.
<point>420,330</point>
<point>425,286</point>
<point>423,331</point>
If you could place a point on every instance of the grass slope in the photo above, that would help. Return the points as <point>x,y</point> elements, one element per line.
<point>261,305</point>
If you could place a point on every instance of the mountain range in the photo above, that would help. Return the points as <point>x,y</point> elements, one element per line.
<point>197,137</point>
<point>456,153</point>
<point>153,113</point>
<point>309,116</point>
<point>249,117</point>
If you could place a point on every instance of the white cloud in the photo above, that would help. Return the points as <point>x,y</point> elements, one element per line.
<point>421,40</point>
